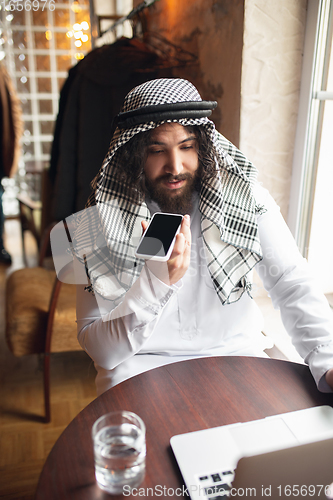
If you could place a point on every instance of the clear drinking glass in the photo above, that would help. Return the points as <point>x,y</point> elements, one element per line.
<point>120,451</point>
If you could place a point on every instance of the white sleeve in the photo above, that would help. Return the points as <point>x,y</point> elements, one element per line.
<point>111,338</point>
<point>304,309</point>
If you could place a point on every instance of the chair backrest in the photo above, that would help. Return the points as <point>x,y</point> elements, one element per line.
<point>29,298</point>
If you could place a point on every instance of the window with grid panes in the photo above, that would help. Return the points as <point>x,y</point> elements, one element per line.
<point>39,42</point>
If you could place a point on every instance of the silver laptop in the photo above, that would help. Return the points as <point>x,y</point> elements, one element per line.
<point>208,458</point>
<point>304,471</point>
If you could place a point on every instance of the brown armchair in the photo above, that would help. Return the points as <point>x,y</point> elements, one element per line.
<point>40,318</point>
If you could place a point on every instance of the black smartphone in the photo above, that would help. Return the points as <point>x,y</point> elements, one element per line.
<point>159,238</point>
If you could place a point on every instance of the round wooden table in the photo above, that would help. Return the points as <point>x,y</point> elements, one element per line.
<point>173,399</point>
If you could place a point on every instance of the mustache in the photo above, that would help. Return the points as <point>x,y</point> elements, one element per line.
<point>174,178</point>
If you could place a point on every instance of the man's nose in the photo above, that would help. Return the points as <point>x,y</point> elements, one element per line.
<point>174,164</point>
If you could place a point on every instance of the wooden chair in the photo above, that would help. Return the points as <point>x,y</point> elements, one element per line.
<point>30,218</point>
<point>40,318</point>
<point>36,216</point>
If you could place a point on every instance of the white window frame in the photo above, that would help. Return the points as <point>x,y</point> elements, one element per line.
<point>312,100</point>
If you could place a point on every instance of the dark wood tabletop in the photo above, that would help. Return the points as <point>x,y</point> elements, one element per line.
<point>173,399</point>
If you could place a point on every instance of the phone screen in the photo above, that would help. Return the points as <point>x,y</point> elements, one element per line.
<point>159,235</point>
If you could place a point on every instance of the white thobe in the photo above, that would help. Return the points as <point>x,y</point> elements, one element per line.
<point>158,324</point>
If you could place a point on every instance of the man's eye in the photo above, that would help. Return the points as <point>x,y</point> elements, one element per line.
<point>155,151</point>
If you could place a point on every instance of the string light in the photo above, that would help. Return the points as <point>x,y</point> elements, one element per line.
<point>76,7</point>
<point>77,32</point>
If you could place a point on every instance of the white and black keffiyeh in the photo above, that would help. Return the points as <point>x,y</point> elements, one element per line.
<point>110,227</point>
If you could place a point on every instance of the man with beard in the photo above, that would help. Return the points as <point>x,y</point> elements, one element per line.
<point>165,155</point>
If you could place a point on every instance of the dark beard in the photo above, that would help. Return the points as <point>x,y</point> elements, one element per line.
<point>175,204</point>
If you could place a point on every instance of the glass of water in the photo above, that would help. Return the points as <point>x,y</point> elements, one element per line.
<point>120,451</point>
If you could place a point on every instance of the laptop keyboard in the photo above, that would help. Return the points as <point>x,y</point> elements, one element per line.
<point>217,485</point>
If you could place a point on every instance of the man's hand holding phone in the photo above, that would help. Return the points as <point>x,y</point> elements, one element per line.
<point>176,266</point>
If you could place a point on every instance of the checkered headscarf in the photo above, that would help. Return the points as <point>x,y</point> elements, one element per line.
<point>110,226</point>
